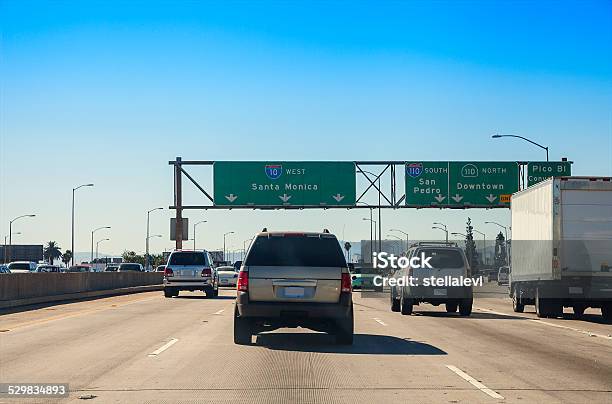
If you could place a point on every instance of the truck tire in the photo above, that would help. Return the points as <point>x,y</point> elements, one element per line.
<point>406,305</point>
<point>345,330</point>
<point>242,330</point>
<point>606,311</point>
<point>517,305</point>
<point>542,306</point>
<point>579,310</point>
<point>451,307</point>
<point>465,307</point>
<point>395,303</point>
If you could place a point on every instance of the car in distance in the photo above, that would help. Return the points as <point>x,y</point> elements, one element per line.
<point>190,270</point>
<point>503,276</point>
<point>80,268</point>
<point>130,267</point>
<point>292,279</point>
<point>4,269</point>
<point>227,275</point>
<point>160,268</point>
<point>21,267</point>
<point>111,268</point>
<point>447,260</point>
<point>48,268</point>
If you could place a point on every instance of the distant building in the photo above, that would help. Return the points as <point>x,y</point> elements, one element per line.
<point>21,252</point>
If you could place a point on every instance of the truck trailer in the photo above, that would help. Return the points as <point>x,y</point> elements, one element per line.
<point>562,246</point>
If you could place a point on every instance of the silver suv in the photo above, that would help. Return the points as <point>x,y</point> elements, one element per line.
<point>190,270</point>
<point>448,261</point>
<point>293,279</point>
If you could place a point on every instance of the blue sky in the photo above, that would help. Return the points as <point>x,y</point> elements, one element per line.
<point>108,92</point>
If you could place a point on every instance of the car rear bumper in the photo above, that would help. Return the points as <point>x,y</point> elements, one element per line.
<point>293,311</point>
<point>188,285</point>
<point>442,293</point>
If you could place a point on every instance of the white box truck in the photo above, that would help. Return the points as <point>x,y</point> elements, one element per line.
<point>562,246</point>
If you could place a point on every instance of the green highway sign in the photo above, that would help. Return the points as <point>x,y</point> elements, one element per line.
<point>542,170</point>
<point>427,183</point>
<point>461,184</point>
<point>282,183</point>
<point>487,183</point>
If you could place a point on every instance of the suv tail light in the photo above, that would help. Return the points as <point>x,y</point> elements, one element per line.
<point>206,272</point>
<point>346,286</point>
<point>243,281</point>
<point>168,272</point>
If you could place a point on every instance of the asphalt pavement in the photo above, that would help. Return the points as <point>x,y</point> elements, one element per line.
<point>146,348</point>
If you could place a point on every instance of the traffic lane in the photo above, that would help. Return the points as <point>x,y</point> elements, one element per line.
<point>21,316</point>
<point>512,355</point>
<point>286,365</point>
<point>79,349</point>
<point>394,358</point>
<point>495,298</point>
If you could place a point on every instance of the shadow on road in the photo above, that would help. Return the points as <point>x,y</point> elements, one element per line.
<point>203,297</point>
<point>474,315</point>
<point>367,344</point>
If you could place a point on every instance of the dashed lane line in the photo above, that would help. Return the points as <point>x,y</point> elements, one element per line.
<point>163,347</point>
<point>474,382</point>
<point>542,322</point>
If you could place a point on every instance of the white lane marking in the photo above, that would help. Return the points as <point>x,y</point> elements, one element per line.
<point>542,322</point>
<point>379,321</point>
<point>164,347</point>
<point>219,312</point>
<point>474,382</point>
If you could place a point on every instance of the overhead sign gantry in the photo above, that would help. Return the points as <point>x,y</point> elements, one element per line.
<point>345,184</point>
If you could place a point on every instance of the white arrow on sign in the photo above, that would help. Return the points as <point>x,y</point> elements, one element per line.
<point>338,197</point>
<point>457,198</point>
<point>231,197</point>
<point>440,198</point>
<point>284,197</point>
<point>491,198</point>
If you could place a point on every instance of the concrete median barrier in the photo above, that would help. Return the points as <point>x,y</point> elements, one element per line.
<point>24,289</point>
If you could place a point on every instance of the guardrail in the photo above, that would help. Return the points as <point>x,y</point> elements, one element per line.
<point>21,289</point>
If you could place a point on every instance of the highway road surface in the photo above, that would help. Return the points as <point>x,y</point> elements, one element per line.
<point>146,348</point>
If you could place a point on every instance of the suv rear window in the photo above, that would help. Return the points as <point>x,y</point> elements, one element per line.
<point>443,257</point>
<point>188,258</point>
<point>304,251</point>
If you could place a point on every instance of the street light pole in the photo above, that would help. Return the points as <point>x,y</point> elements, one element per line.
<point>11,234</point>
<point>194,232</point>
<point>406,234</point>
<point>147,240</point>
<point>229,232</point>
<point>497,136</point>
<point>505,240</point>
<point>445,229</point>
<point>92,241</point>
<point>72,244</point>
<point>98,243</point>
<point>484,245</point>
<point>147,254</point>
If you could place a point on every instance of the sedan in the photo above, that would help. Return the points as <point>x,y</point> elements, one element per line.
<point>227,276</point>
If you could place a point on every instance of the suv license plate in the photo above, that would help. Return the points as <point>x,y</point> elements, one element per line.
<point>439,292</point>
<point>294,292</point>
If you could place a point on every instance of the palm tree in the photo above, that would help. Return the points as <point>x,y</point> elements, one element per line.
<point>52,251</point>
<point>66,257</point>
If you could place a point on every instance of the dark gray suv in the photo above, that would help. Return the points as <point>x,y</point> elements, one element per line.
<point>291,279</point>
